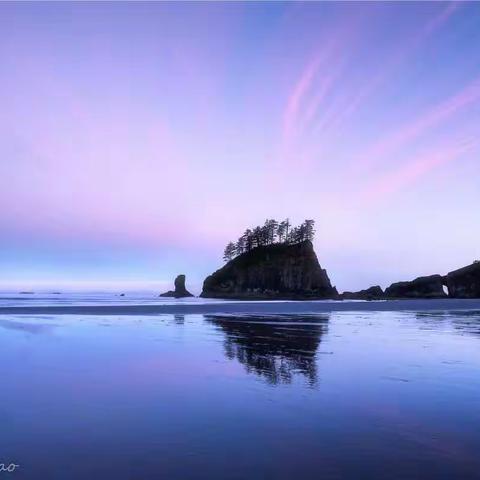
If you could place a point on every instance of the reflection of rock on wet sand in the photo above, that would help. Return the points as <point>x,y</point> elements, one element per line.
<point>274,347</point>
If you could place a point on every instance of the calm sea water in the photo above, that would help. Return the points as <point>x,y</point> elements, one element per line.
<point>373,395</point>
<point>106,298</point>
<point>14,299</point>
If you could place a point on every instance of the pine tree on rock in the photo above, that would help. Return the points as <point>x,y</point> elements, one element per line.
<point>269,233</point>
<point>229,252</point>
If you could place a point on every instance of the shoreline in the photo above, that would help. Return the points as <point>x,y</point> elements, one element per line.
<point>239,307</point>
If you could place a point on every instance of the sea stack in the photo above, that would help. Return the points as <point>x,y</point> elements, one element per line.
<point>180,290</point>
<point>278,271</point>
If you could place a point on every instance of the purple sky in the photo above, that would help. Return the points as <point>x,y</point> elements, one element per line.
<point>137,139</point>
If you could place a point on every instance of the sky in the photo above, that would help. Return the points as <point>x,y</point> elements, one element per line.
<point>137,139</point>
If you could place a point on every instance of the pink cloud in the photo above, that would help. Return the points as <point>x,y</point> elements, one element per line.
<point>298,93</point>
<point>421,165</point>
<point>410,131</point>
<point>406,49</point>
<point>314,84</point>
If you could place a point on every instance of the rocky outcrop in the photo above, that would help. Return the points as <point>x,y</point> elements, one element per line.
<point>372,293</point>
<point>180,290</point>
<point>421,287</point>
<point>278,271</point>
<point>464,282</point>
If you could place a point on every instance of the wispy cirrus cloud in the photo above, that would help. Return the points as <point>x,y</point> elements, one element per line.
<point>314,85</point>
<point>419,166</point>
<point>405,50</point>
<point>410,131</point>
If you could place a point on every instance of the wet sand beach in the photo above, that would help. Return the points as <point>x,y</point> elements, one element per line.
<point>243,307</point>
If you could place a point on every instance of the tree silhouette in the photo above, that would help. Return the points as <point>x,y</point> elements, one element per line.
<point>271,232</point>
<point>287,227</point>
<point>229,252</point>
<point>248,239</point>
<point>271,229</point>
<point>281,231</point>
<point>240,245</point>
<point>257,237</point>
<point>309,227</point>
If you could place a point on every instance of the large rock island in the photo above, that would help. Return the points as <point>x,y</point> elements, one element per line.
<point>278,271</point>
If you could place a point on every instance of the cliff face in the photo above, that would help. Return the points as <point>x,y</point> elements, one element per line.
<point>464,282</point>
<point>276,271</point>
<point>421,287</point>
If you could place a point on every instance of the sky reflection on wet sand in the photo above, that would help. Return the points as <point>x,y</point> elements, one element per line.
<point>372,394</point>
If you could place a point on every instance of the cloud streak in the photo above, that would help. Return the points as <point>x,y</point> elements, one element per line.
<point>406,50</point>
<point>430,119</point>
<point>421,165</point>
